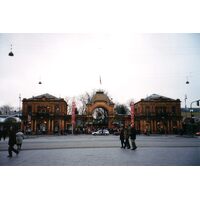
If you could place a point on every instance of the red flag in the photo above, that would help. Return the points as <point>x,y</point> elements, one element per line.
<point>132,114</point>
<point>73,113</point>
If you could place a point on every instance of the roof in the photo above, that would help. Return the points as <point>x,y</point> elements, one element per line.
<point>99,97</point>
<point>156,97</point>
<point>47,96</point>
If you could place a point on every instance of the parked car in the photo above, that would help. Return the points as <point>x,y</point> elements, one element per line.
<point>101,132</point>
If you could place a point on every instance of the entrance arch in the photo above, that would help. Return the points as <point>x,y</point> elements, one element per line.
<point>100,102</point>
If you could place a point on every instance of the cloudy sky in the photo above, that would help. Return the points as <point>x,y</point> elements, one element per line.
<point>131,66</point>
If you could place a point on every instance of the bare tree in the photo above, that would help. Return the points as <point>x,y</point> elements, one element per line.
<point>69,105</point>
<point>6,110</point>
<point>83,100</point>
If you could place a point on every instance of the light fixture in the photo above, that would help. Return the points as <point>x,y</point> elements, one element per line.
<point>11,53</point>
<point>187,82</point>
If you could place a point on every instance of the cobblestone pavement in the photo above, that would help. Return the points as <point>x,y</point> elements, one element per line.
<point>87,150</point>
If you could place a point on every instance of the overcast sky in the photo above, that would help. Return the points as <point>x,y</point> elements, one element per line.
<point>131,66</point>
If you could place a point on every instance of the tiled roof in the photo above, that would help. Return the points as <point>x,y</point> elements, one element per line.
<point>155,97</point>
<point>47,96</point>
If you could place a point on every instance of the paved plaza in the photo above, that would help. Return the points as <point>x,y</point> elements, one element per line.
<point>88,150</point>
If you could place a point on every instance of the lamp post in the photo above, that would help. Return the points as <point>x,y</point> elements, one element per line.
<point>187,83</point>
<point>11,53</point>
<point>185,105</point>
<point>19,103</point>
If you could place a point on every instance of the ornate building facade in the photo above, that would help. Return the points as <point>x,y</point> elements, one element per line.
<point>48,114</point>
<point>158,114</point>
<point>44,114</point>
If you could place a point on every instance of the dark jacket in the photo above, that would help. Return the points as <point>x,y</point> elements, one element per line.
<point>12,138</point>
<point>121,136</point>
<point>133,133</point>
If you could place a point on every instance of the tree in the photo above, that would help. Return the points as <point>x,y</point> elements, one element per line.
<point>6,110</point>
<point>121,109</point>
<point>83,100</point>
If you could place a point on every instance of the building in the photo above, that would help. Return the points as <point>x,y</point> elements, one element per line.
<point>158,114</point>
<point>48,114</point>
<point>44,114</point>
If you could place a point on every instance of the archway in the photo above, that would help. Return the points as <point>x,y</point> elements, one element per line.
<point>100,111</point>
<point>100,117</point>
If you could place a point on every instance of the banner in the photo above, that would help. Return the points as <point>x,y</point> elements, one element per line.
<point>132,114</point>
<point>73,113</point>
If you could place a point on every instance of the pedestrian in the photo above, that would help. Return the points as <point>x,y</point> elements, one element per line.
<point>126,138</point>
<point>1,132</point>
<point>12,142</point>
<point>133,137</point>
<point>19,140</point>
<point>121,137</point>
<point>4,133</point>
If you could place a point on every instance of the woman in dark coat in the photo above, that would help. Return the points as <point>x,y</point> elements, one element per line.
<point>121,137</point>
<point>12,142</point>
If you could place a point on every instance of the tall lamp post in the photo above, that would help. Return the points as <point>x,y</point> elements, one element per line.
<point>187,83</point>
<point>20,99</point>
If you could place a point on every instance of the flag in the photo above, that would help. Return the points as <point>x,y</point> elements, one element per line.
<point>100,79</point>
<point>73,112</point>
<point>132,114</point>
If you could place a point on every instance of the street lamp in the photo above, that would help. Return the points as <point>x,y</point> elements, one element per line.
<point>11,53</point>
<point>187,82</point>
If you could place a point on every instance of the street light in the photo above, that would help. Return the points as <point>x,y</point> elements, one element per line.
<point>11,53</point>
<point>187,82</point>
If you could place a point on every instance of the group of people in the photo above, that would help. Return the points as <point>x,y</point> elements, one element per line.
<point>128,137</point>
<point>14,139</point>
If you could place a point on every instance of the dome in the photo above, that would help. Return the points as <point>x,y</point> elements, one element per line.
<point>99,97</point>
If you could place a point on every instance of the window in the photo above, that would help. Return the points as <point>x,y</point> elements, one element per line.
<point>173,109</point>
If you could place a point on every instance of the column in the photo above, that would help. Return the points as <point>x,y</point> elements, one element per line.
<point>52,125</point>
<point>35,125</point>
<point>49,126</point>
<point>151,126</point>
<point>155,127</point>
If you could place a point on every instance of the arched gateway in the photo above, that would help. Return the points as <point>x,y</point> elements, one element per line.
<point>100,111</point>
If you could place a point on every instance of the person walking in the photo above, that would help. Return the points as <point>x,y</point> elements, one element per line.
<point>133,133</point>
<point>1,132</point>
<point>12,142</point>
<point>121,137</point>
<point>4,133</point>
<point>19,140</point>
<point>126,138</point>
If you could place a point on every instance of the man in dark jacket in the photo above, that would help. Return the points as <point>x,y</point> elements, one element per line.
<point>12,142</point>
<point>133,137</point>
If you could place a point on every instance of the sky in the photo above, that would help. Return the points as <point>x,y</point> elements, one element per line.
<point>131,66</point>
